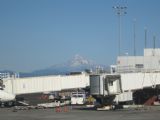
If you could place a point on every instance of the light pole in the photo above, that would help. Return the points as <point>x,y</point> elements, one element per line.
<point>120,11</point>
<point>145,39</point>
<point>134,27</point>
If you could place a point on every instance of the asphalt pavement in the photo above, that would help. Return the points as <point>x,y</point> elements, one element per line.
<point>79,113</point>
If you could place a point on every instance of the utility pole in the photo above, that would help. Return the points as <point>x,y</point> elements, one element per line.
<point>120,11</point>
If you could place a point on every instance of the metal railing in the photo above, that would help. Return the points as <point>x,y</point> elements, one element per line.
<point>130,69</point>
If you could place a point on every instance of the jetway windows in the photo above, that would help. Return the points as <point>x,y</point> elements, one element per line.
<point>139,65</point>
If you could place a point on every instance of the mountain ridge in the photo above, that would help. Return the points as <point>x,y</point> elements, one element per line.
<point>76,64</point>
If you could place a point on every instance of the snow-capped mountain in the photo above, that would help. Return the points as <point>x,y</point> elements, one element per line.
<point>76,64</point>
<point>79,60</point>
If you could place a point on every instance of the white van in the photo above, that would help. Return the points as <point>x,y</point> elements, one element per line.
<point>78,98</point>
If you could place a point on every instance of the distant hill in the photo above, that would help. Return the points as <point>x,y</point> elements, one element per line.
<point>7,71</point>
<point>76,64</point>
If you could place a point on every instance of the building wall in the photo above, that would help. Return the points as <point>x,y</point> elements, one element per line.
<point>149,62</point>
<point>139,62</point>
<point>129,60</point>
<point>152,52</point>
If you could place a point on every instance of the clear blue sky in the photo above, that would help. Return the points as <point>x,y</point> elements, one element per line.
<point>36,34</point>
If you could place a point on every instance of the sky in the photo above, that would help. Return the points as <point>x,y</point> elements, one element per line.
<point>36,34</point>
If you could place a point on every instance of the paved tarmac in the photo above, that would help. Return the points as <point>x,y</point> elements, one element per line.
<point>79,114</point>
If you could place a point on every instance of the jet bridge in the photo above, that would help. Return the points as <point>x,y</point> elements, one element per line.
<point>105,87</point>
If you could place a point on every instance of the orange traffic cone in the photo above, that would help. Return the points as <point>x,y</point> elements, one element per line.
<point>65,109</point>
<point>58,109</point>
